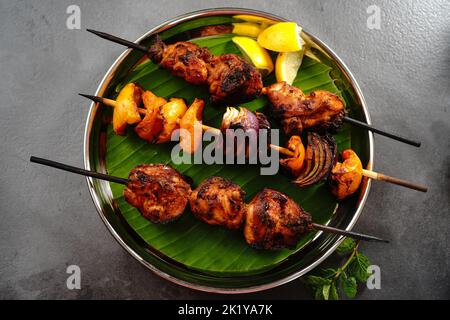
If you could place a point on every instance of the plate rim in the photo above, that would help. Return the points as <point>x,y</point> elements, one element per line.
<point>97,202</point>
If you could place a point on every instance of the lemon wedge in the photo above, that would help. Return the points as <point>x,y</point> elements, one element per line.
<point>254,19</point>
<point>248,29</point>
<point>255,54</point>
<point>287,65</point>
<point>281,37</point>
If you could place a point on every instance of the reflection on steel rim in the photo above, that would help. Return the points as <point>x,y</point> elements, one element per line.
<point>105,201</point>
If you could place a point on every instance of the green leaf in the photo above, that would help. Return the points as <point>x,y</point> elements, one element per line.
<point>346,246</point>
<point>189,242</point>
<point>326,291</point>
<point>349,287</point>
<point>358,267</point>
<point>315,281</point>
<point>342,277</point>
<point>318,293</point>
<point>333,292</point>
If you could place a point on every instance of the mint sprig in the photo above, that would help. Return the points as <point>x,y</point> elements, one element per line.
<point>330,282</point>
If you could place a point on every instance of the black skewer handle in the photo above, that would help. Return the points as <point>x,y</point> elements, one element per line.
<point>83,172</point>
<point>350,234</point>
<point>382,132</point>
<point>103,176</point>
<point>118,40</point>
<point>142,48</point>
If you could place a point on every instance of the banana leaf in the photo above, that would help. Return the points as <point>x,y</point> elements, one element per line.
<point>194,244</point>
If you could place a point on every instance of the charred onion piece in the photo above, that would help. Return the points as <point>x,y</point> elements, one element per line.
<point>158,191</point>
<point>244,120</point>
<point>126,110</point>
<point>263,122</point>
<point>275,221</point>
<point>346,176</point>
<point>294,164</point>
<point>319,160</point>
<point>218,201</point>
<point>263,125</point>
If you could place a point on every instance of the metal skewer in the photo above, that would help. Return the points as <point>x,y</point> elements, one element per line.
<point>118,40</point>
<point>367,173</point>
<point>397,137</point>
<point>351,234</point>
<point>352,121</point>
<point>76,170</point>
<point>123,181</point>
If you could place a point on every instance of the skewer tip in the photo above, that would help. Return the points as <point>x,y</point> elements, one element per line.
<point>93,98</point>
<point>88,173</point>
<point>118,40</point>
<point>350,234</point>
<point>98,33</point>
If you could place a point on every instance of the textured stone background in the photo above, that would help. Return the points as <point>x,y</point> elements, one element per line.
<point>49,222</point>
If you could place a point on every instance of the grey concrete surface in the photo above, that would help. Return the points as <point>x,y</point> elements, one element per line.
<point>48,221</point>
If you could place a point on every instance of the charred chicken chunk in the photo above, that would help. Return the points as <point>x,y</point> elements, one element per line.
<point>233,79</point>
<point>346,176</point>
<point>158,191</point>
<point>320,110</point>
<point>274,221</point>
<point>218,201</point>
<point>184,59</point>
<point>229,77</point>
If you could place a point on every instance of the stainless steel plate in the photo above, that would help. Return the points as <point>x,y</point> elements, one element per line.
<point>297,264</point>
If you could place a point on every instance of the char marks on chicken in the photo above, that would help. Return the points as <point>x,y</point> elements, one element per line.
<point>275,221</point>
<point>218,201</point>
<point>229,77</point>
<point>232,79</point>
<point>158,191</point>
<point>184,59</point>
<point>320,110</point>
